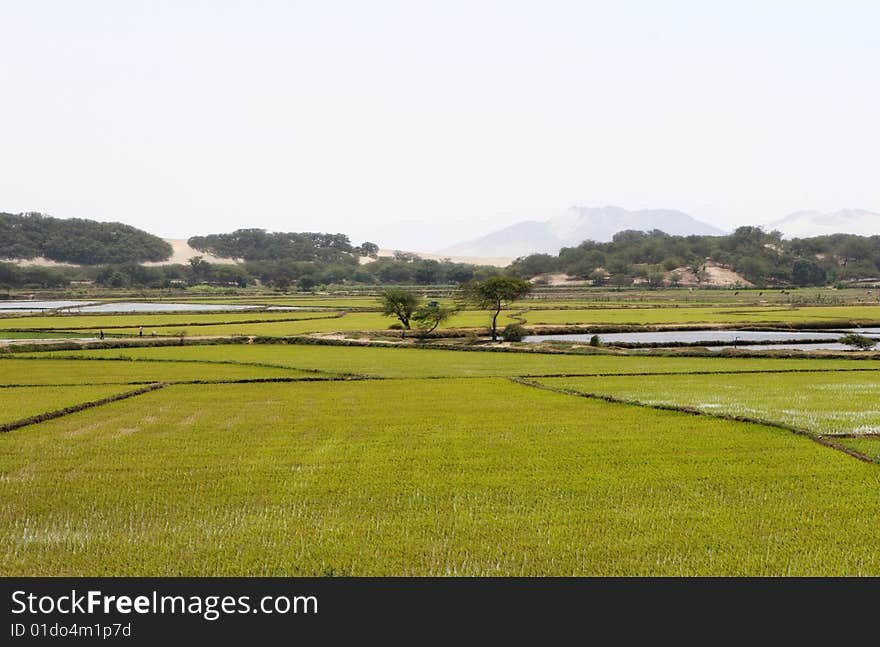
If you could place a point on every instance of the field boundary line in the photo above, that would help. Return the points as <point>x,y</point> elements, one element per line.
<point>58,413</point>
<point>812,435</point>
<point>269,380</point>
<point>242,380</point>
<point>673,373</point>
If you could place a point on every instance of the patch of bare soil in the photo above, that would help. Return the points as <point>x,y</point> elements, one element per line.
<point>711,274</point>
<point>183,252</point>
<point>558,278</point>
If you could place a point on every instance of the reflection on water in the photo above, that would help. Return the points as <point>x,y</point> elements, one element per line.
<point>737,338</point>
<point>159,307</point>
<point>40,305</point>
<point>690,336</point>
<point>22,307</point>
<point>831,346</point>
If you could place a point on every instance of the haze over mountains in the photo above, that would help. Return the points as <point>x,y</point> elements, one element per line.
<point>805,224</point>
<point>576,225</point>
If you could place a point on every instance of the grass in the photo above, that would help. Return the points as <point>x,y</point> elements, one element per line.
<point>322,323</point>
<point>24,402</point>
<point>446,467</point>
<point>866,445</point>
<point>421,478</point>
<point>415,362</point>
<point>278,324</point>
<point>41,335</point>
<point>129,323</point>
<point>45,370</point>
<point>825,402</point>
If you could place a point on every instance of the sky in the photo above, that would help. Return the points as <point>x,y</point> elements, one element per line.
<point>417,124</point>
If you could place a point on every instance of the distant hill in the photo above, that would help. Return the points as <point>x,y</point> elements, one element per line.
<point>806,224</point>
<point>29,236</point>
<point>748,256</point>
<point>576,225</point>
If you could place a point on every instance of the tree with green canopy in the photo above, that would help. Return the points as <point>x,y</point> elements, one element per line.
<point>494,294</point>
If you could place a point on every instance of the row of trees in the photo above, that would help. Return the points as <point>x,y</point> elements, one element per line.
<point>87,242</point>
<point>262,245</point>
<point>282,275</point>
<point>127,275</point>
<point>763,258</point>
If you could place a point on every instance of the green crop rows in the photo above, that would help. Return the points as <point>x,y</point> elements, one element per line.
<point>24,402</point>
<point>443,463</point>
<point>415,362</point>
<point>311,479</point>
<point>824,402</point>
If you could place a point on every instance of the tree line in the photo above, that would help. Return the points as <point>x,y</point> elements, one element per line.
<point>86,242</point>
<point>285,275</point>
<point>262,245</point>
<point>763,258</point>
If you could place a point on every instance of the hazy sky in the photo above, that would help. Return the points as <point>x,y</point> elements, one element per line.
<point>419,124</point>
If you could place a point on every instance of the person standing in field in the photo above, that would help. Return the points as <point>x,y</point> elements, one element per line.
<point>141,331</point>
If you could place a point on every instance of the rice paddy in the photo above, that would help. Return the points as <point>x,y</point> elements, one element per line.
<point>415,478</point>
<point>307,459</point>
<point>823,402</point>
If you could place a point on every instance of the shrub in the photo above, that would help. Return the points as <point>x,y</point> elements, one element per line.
<point>513,332</point>
<point>859,342</point>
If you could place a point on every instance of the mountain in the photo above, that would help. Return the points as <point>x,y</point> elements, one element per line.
<point>804,224</point>
<point>576,225</point>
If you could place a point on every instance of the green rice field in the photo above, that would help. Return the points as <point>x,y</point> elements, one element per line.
<point>465,473</point>
<point>280,324</point>
<point>394,459</point>
<point>822,402</point>
<point>397,362</point>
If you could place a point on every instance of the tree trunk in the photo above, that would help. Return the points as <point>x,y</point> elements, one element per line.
<point>494,325</point>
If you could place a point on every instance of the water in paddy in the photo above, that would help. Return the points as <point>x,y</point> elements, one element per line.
<point>31,306</point>
<point>737,338</point>
<point>820,346</point>
<point>691,336</point>
<point>86,307</point>
<point>159,307</point>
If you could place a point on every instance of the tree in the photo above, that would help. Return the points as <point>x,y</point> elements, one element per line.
<point>494,293</point>
<point>427,318</point>
<point>858,342</point>
<point>401,304</point>
<point>200,268</point>
<point>805,272</point>
<point>655,279</point>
